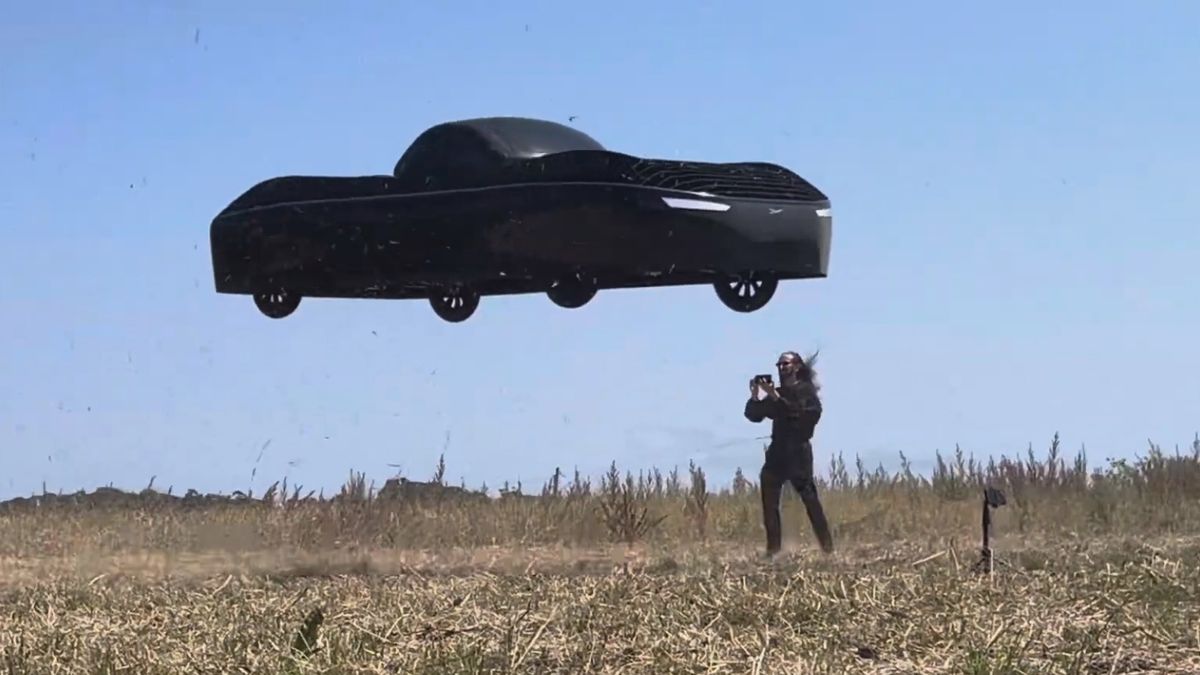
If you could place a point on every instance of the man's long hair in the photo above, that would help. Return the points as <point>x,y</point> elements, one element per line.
<point>807,372</point>
<point>809,387</point>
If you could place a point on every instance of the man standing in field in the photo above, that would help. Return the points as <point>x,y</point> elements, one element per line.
<point>794,410</point>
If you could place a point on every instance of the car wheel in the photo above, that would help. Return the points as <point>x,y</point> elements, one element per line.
<point>572,292</point>
<point>276,304</point>
<point>746,292</point>
<point>455,305</point>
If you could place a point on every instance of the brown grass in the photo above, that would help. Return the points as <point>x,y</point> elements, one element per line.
<point>651,573</point>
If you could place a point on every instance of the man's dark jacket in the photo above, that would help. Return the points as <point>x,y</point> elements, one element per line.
<point>793,419</point>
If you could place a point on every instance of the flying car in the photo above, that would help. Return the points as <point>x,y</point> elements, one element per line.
<point>510,205</point>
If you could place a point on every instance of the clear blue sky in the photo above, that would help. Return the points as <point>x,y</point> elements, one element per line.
<point>1015,235</point>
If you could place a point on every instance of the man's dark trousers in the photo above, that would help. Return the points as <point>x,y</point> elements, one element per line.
<point>793,465</point>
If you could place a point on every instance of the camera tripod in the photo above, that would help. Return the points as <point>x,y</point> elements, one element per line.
<point>992,499</point>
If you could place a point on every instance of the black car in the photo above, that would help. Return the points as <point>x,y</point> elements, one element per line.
<point>504,205</point>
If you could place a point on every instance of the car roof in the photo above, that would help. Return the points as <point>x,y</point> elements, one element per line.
<point>525,137</point>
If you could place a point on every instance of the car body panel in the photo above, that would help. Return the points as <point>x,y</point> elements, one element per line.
<point>509,205</point>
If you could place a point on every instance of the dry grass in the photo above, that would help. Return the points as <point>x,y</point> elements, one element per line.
<point>638,574</point>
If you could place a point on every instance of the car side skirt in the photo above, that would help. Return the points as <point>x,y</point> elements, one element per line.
<point>514,239</point>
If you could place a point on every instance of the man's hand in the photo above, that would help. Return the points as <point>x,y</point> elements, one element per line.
<point>754,388</point>
<point>770,389</point>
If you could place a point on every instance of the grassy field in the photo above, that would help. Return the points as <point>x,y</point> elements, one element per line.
<point>1096,573</point>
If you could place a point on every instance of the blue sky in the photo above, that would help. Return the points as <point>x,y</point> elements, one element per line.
<point>1015,236</point>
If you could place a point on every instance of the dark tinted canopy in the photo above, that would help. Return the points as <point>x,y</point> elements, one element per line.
<point>453,150</point>
<point>522,137</point>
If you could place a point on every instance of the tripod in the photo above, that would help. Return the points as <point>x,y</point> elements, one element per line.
<point>992,499</point>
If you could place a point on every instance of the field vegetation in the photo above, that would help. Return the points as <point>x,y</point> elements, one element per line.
<point>650,573</point>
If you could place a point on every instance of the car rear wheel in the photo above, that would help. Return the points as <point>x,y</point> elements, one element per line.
<point>276,304</point>
<point>455,304</point>
<point>572,292</point>
<point>746,292</point>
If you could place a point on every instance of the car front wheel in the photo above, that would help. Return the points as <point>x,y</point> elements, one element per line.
<point>746,292</point>
<point>276,304</point>
<point>572,292</point>
<point>455,305</point>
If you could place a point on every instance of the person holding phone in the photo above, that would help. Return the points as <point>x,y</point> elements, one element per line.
<point>794,408</point>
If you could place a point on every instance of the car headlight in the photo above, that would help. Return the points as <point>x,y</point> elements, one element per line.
<point>694,204</point>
